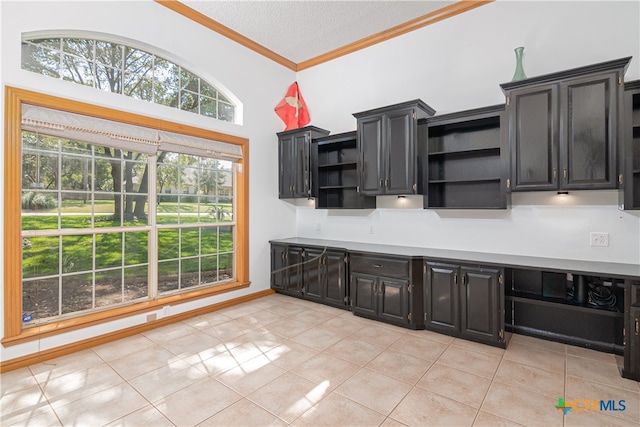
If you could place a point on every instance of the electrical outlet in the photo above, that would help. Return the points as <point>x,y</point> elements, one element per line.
<point>599,239</point>
<point>317,226</point>
<point>166,311</point>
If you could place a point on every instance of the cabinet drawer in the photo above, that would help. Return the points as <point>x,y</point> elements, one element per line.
<point>380,266</point>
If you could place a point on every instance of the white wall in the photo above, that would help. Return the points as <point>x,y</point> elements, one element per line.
<point>258,82</point>
<point>458,64</point>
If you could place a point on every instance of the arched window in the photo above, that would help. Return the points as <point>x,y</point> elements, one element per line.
<point>131,71</point>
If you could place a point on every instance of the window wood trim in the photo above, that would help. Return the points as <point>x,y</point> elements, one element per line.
<point>13,332</point>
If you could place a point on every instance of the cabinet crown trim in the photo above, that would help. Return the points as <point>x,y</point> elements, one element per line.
<point>314,129</point>
<point>476,113</point>
<point>621,63</point>
<point>424,110</point>
<point>632,85</point>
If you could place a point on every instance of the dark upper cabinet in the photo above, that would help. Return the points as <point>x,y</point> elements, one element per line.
<point>563,128</point>
<point>371,153</point>
<point>589,129</point>
<point>630,188</point>
<point>533,138</point>
<point>294,161</point>
<point>386,141</point>
<point>465,301</point>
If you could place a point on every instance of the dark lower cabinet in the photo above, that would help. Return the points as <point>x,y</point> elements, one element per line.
<point>325,277</point>
<point>465,301</point>
<point>364,294</point>
<point>309,272</point>
<point>278,267</point>
<point>286,269</point>
<point>383,298</point>
<point>441,298</point>
<point>632,332</point>
<point>482,304</point>
<point>383,288</point>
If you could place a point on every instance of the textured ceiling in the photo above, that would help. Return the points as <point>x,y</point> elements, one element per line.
<point>304,29</point>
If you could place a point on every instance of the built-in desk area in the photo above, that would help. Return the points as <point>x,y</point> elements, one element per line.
<point>472,295</point>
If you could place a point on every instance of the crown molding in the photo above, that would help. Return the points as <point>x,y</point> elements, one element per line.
<point>414,24</point>
<point>209,23</point>
<point>422,21</point>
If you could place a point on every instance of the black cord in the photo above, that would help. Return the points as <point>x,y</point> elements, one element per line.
<point>601,296</point>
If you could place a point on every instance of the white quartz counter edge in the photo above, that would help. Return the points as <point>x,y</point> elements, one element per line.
<point>502,260</point>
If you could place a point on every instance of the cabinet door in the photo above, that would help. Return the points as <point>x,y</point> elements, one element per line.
<point>370,151</point>
<point>633,342</point>
<point>589,126</point>
<point>400,152</point>
<point>295,258</point>
<point>441,298</point>
<point>285,160</point>
<point>301,166</point>
<point>335,291</point>
<point>533,138</point>
<point>279,275</point>
<point>632,331</point>
<point>480,312</point>
<point>315,278</point>
<point>364,294</point>
<point>393,302</point>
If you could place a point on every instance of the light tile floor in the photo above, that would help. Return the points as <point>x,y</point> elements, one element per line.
<point>283,361</point>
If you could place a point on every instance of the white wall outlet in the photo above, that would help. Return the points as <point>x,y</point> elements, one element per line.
<point>317,226</point>
<point>599,238</point>
<point>166,311</point>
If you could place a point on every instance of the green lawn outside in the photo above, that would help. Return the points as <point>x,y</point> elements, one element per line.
<point>41,255</point>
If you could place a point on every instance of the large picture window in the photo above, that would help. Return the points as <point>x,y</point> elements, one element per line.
<point>114,215</point>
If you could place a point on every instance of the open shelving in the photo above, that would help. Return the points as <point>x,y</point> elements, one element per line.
<point>635,146</point>
<point>630,194</point>
<point>465,160</point>
<point>335,181</point>
<point>540,303</point>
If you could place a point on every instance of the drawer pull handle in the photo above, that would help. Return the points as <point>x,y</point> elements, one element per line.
<point>377,265</point>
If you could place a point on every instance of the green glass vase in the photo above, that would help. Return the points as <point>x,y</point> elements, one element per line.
<point>519,74</point>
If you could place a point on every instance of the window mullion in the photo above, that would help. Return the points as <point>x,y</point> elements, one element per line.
<point>60,277</point>
<point>153,233</point>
